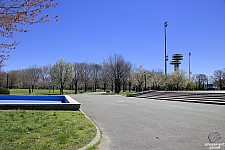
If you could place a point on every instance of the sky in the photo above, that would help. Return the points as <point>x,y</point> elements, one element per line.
<point>92,30</point>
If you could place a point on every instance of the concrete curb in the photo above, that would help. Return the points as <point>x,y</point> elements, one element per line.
<point>97,137</point>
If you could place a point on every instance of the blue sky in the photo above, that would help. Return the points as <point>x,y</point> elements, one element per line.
<point>91,30</point>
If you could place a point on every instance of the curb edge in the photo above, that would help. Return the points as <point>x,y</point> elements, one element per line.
<point>97,137</point>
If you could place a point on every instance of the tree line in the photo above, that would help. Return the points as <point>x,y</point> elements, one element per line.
<point>113,74</point>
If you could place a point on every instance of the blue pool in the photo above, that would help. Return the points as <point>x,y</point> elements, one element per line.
<point>63,102</point>
<point>33,99</point>
<point>27,101</point>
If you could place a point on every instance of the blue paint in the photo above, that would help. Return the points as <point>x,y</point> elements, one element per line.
<point>33,99</point>
<point>28,101</point>
<point>38,103</point>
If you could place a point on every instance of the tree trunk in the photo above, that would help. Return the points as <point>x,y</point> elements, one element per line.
<point>129,86</point>
<point>116,87</point>
<point>61,89</point>
<point>49,88</point>
<point>124,88</point>
<point>119,87</point>
<point>104,87</point>
<point>75,87</point>
<point>112,87</point>
<point>139,88</point>
<point>95,87</point>
<point>32,88</point>
<point>85,87</point>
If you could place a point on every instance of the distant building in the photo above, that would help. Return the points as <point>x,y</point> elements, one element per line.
<point>210,87</point>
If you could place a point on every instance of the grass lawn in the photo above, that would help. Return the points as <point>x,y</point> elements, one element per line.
<point>41,130</point>
<point>127,92</point>
<point>44,130</point>
<point>56,92</point>
<point>39,92</point>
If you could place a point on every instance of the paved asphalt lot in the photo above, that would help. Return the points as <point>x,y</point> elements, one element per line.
<point>137,123</point>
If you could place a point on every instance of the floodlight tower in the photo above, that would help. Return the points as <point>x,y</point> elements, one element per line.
<point>165,57</point>
<point>176,61</point>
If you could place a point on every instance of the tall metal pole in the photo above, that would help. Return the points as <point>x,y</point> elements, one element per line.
<point>145,80</point>
<point>189,65</point>
<point>166,57</point>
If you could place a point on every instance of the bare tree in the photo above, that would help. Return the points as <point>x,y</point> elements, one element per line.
<point>13,78</point>
<point>126,75</point>
<point>219,78</point>
<point>45,79</point>
<point>202,79</point>
<point>62,73</point>
<point>2,79</point>
<point>84,72</point>
<point>14,13</point>
<point>34,73</point>
<point>223,78</point>
<point>76,78</point>
<point>95,74</point>
<point>105,76</point>
<point>117,67</point>
<point>18,78</point>
<point>24,78</point>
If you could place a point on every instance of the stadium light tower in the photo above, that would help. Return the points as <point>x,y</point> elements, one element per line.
<point>166,57</point>
<point>189,65</point>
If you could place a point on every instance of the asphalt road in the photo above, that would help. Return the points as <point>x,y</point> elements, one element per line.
<point>135,123</point>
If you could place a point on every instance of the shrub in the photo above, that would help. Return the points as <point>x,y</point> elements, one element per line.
<point>4,91</point>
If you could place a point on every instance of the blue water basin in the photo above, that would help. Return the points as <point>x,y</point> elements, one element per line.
<point>62,102</point>
<point>28,101</point>
<point>32,99</point>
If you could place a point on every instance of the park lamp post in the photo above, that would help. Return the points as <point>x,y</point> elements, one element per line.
<point>145,80</point>
<point>165,57</point>
<point>189,65</point>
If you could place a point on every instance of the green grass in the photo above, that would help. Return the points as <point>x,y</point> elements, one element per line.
<point>93,147</point>
<point>127,92</point>
<point>40,130</point>
<point>40,92</point>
